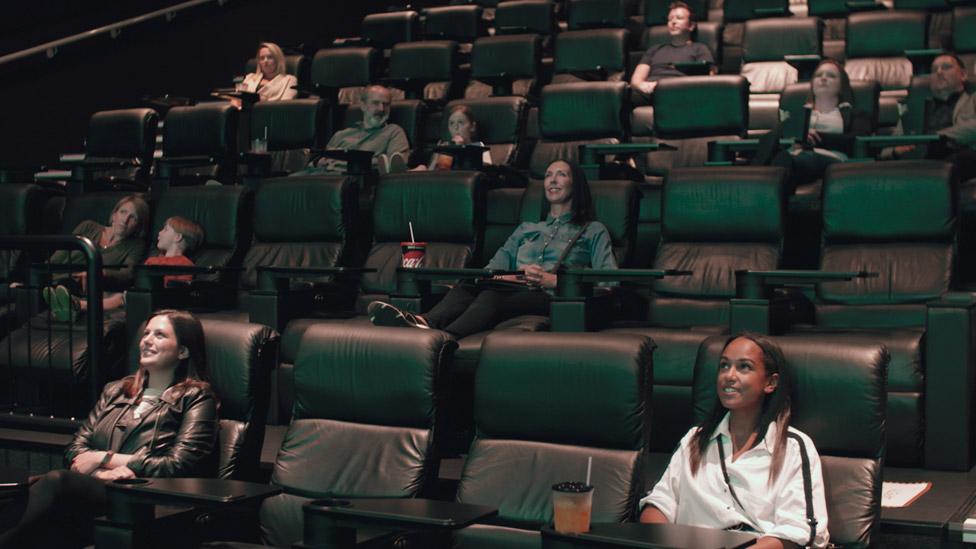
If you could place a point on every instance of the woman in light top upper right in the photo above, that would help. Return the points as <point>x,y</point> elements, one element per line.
<point>743,467</point>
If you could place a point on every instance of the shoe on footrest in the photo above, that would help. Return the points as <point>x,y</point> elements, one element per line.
<point>382,313</point>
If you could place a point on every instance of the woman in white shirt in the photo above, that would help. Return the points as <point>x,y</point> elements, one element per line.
<point>743,467</point>
<point>269,79</point>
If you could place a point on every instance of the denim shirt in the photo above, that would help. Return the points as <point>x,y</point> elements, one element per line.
<point>542,243</point>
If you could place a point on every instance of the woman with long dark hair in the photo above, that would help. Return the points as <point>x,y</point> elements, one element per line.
<point>159,422</point>
<point>568,236</point>
<point>743,467</point>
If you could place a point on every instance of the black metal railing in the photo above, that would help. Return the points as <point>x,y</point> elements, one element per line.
<point>44,381</point>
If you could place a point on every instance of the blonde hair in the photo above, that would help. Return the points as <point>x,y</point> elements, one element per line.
<point>276,52</point>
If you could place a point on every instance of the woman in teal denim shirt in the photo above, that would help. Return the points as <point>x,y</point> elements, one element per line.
<point>536,249</point>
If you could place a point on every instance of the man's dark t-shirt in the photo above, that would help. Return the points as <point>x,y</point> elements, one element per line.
<point>661,58</point>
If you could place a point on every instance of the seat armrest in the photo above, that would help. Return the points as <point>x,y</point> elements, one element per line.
<point>350,41</point>
<point>593,153</point>
<point>336,520</point>
<point>723,150</point>
<point>415,283</point>
<point>950,342</point>
<point>151,277</point>
<point>863,145</point>
<point>467,157</point>
<point>757,284</point>
<point>865,5</point>
<point>578,283</point>
<point>693,68</point>
<point>357,161</point>
<point>71,158</point>
<point>575,308</point>
<point>277,279</point>
<point>132,503</point>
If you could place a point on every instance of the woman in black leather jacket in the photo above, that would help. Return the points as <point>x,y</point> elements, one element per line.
<point>160,422</point>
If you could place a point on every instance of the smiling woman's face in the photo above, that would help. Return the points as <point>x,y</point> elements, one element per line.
<point>159,349</point>
<point>559,183</point>
<point>742,379</point>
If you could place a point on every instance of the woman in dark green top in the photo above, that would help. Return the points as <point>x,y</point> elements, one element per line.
<point>122,242</point>
<point>568,236</point>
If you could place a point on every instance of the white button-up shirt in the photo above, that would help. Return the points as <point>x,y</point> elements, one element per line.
<point>777,509</point>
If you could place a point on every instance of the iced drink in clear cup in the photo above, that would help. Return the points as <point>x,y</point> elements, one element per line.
<point>413,254</point>
<point>571,505</point>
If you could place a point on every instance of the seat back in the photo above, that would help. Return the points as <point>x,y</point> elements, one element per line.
<point>656,11</point>
<point>876,44</point>
<point>541,410</point>
<point>432,63</point>
<point>908,239</point>
<point>517,56</point>
<point>964,35</point>
<point>125,133</point>
<point>590,14</point>
<point>574,114</point>
<point>461,24</point>
<point>223,212</point>
<point>766,41</point>
<point>447,211</point>
<point>384,30</point>
<point>345,71</point>
<point>590,55</point>
<point>526,16</point>
<point>837,381</point>
<point>690,111</point>
<point>715,221</point>
<point>204,130</point>
<point>736,11</point>
<point>301,222</point>
<point>290,126</point>
<point>22,208</point>
<point>500,125</point>
<point>366,406</point>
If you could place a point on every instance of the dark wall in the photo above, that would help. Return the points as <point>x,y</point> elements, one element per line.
<point>45,104</point>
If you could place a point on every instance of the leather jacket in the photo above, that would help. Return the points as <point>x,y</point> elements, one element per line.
<point>175,438</point>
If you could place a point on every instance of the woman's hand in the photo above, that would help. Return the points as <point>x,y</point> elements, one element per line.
<point>87,462</point>
<point>537,276</point>
<point>813,137</point>
<point>114,474</point>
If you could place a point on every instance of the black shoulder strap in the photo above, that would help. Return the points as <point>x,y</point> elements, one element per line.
<point>807,487</point>
<point>807,483</point>
<point>569,246</point>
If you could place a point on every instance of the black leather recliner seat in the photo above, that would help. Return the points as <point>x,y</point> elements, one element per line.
<point>908,238</point>
<point>542,409</point>
<point>716,221</point>
<point>364,425</point>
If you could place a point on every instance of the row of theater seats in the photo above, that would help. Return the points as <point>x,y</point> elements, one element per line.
<point>714,222</point>
<point>544,404</point>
